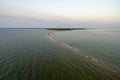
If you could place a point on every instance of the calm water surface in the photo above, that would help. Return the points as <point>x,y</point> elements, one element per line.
<point>27,54</point>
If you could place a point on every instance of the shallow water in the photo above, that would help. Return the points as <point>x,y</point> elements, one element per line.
<point>99,45</point>
<point>27,54</point>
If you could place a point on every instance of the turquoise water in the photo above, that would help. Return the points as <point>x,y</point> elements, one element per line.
<point>27,54</point>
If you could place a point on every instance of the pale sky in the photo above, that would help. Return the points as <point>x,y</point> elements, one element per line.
<point>95,11</point>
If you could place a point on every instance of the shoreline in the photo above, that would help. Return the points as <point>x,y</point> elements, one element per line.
<point>89,60</point>
<point>49,36</point>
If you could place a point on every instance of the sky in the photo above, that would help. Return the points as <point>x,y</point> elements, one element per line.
<point>22,12</point>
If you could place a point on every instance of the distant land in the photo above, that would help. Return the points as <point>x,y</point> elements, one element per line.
<point>50,28</point>
<point>66,28</point>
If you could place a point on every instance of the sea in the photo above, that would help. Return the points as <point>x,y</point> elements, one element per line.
<point>89,54</point>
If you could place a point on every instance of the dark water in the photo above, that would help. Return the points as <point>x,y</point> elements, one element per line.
<point>26,54</point>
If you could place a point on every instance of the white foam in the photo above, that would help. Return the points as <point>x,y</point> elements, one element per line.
<point>93,59</point>
<point>67,45</point>
<point>76,50</point>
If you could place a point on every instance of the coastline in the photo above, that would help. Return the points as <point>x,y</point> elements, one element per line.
<point>50,37</point>
<point>89,60</point>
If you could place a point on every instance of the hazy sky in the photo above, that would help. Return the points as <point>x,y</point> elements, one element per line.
<point>100,11</point>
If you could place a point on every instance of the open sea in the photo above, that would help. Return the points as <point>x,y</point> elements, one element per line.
<point>91,54</point>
